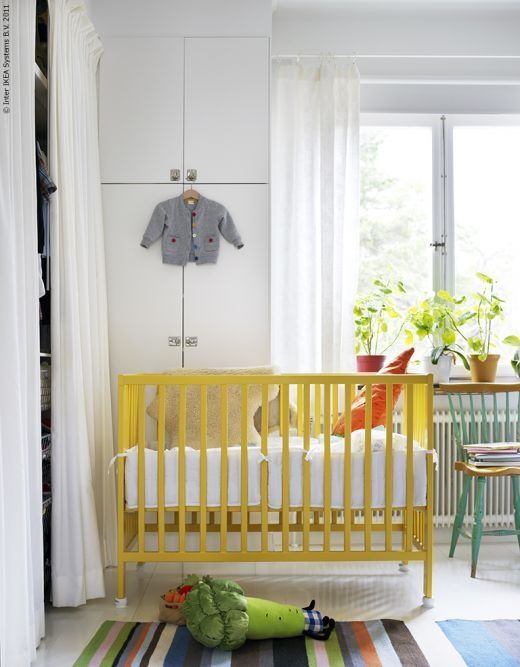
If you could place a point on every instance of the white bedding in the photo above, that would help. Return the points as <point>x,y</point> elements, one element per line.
<point>274,458</point>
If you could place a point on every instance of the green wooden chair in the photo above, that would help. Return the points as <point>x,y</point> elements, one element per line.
<point>490,414</point>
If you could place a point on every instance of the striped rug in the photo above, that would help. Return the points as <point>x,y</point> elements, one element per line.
<point>484,643</point>
<point>372,644</point>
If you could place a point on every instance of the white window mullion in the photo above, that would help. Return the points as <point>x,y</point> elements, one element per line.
<point>438,205</point>
<point>448,258</point>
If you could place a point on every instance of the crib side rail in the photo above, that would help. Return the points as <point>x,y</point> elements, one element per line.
<point>257,531</point>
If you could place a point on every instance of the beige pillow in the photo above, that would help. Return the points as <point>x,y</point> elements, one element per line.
<point>274,416</point>
<point>193,407</point>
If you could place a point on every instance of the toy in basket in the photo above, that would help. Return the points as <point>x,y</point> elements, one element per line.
<point>170,605</point>
<point>218,615</point>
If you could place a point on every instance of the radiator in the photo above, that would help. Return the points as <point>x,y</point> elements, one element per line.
<point>448,483</point>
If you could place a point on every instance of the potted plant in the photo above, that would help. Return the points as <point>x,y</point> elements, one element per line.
<point>515,361</point>
<point>431,319</point>
<point>377,324</point>
<point>484,308</point>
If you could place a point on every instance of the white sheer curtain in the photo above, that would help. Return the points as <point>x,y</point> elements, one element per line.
<point>315,200</point>
<point>21,552</point>
<point>83,512</point>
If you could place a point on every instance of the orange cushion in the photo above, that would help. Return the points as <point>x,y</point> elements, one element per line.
<point>397,365</point>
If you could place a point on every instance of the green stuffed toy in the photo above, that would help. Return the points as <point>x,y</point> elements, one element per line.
<point>218,615</point>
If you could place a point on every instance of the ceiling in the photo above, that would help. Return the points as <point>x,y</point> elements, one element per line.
<point>389,4</point>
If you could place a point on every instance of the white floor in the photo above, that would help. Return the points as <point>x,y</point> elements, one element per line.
<point>346,592</point>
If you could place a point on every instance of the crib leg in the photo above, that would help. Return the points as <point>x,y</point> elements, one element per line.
<point>120,600</point>
<point>428,601</point>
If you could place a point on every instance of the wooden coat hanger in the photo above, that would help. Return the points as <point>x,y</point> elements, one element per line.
<point>191,196</point>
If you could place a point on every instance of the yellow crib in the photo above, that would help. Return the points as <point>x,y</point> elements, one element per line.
<point>233,516</point>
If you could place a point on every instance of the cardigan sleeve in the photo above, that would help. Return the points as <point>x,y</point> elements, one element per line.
<point>155,226</point>
<point>228,230</point>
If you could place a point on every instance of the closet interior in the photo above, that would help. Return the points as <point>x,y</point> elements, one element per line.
<point>44,189</point>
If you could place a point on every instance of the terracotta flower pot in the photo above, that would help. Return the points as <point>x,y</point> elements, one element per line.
<point>370,363</point>
<point>483,371</point>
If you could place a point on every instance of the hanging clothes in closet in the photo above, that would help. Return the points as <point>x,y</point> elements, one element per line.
<point>44,188</point>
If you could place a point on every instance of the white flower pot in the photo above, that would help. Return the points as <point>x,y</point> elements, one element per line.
<point>441,370</point>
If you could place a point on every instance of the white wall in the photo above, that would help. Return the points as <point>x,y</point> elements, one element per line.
<point>230,18</point>
<point>424,30</point>
<point>420,85</point>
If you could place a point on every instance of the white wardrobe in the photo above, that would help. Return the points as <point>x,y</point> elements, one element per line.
<point>177,113</point>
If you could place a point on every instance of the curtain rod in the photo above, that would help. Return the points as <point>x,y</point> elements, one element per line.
<point>357,56</point>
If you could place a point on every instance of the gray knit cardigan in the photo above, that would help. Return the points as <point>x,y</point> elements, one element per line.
<point>190,233</point>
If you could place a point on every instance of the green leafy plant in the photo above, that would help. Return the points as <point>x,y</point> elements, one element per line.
<point>377,321</point>
<point>481,312</point>
<point>432,319</point>
<point>515,361</point>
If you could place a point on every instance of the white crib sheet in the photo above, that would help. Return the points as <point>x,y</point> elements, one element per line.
<point>296,457</point>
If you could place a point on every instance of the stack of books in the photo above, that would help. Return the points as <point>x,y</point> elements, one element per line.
<point>494,455</point>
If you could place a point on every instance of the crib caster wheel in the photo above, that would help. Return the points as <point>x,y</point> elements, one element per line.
<point>428,603</point>
<point>403,567</point>
<point>120,603</point>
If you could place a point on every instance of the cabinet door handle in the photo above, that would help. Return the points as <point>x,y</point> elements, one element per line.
<point>174,341</point>
<point>175,174</point>
<point>191,341</point>
<point>191,175</point>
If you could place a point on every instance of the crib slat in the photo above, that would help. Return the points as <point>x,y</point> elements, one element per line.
<point>367,498</point>
<point>334,403</point>
<point>244,517</point>
<point>306,464</point>
<point>223,465</point>
<point>141,442</point>
<point>182,467</point>
<point>284,408</point>
<point>160,466</point>
<point>326,468</point>
<point>133,397</point>
<point>347,465</point>
<point>203,464</point>
<point>409,465</point>
<point>317,410</point>
<point>123,444</point>
<point>389,467</point>
<point>263,468</point>
<point>300,410</point>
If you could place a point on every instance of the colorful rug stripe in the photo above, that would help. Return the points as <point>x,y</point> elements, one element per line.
<point>383,644</point>
<point>373,644</point>
<point>482,643</point>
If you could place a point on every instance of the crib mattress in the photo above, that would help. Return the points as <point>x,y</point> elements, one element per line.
<point>274,459</point>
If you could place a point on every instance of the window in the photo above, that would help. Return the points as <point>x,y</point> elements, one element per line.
<point>448,181</point>
<point>486,211</point>
<point>396,213</point>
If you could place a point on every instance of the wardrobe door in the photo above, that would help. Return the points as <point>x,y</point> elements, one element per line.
<point>227,109</point>
<point>141,109</point>
<point>144,295</point>
<point>226,304</point>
